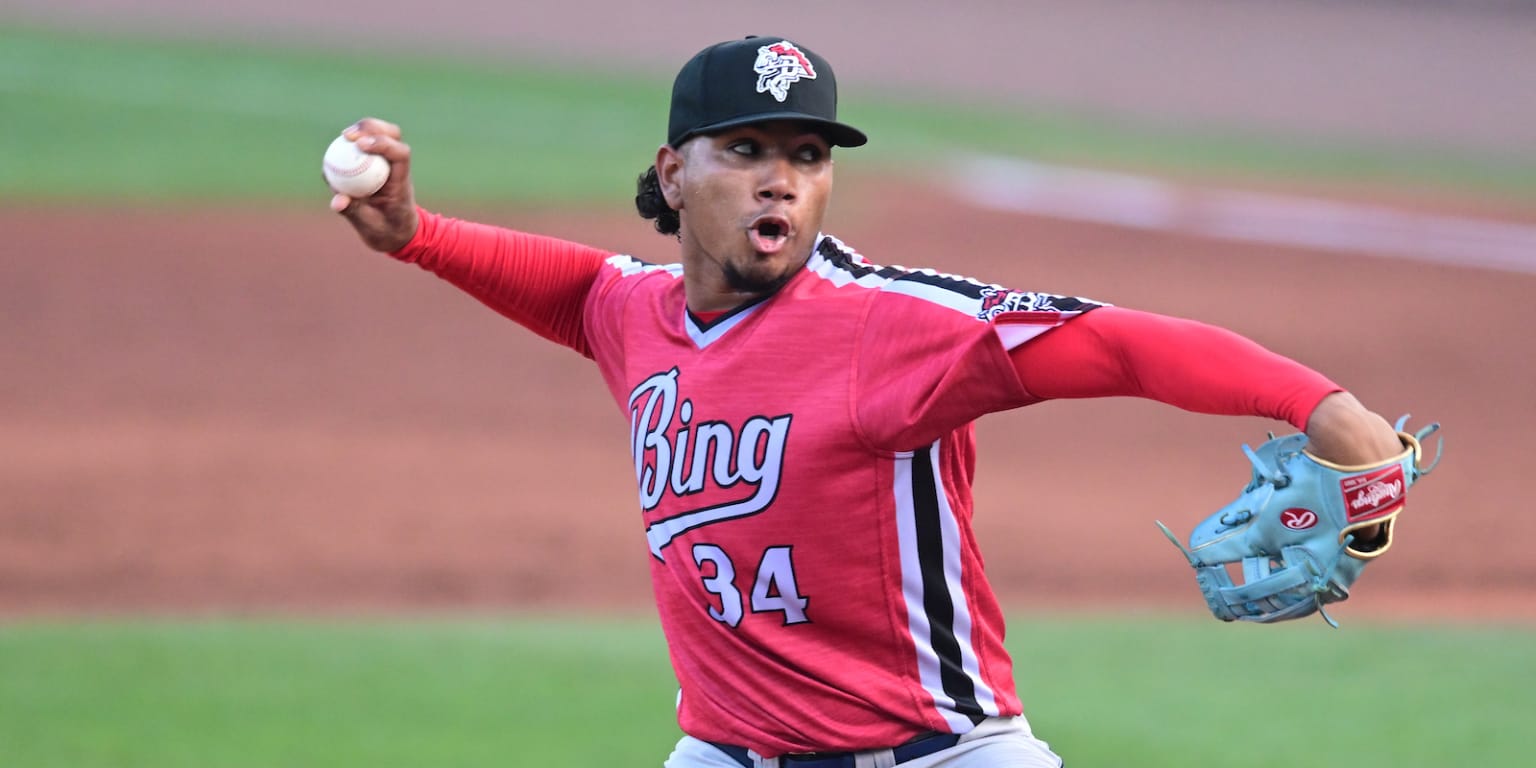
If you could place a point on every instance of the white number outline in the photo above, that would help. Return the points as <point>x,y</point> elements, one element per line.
<point>776,572</point>
<point>775,589</point>
<point>721,585</point>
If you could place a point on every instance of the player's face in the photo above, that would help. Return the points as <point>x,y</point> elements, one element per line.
<point>751,201</point>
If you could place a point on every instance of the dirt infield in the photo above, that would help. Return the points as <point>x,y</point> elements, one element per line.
<point>242,410</point>
<point>216,410</point>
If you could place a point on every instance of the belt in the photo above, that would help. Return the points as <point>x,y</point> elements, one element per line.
<point>922,746</point>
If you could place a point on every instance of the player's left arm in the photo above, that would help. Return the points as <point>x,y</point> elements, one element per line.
<point>1113,351</point>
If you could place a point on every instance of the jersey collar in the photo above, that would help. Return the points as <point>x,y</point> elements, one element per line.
<point>704,334</point>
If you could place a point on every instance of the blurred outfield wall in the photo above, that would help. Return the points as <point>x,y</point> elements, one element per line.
<point>1453,74</point>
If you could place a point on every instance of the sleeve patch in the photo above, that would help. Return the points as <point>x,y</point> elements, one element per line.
<point>1027,306</point>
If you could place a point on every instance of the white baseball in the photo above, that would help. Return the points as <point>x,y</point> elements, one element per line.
<point>351,171</point>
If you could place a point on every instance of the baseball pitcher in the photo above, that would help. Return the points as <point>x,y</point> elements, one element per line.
<point>800,420</point>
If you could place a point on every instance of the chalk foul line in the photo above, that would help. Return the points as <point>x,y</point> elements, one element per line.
<point>1140,202</point>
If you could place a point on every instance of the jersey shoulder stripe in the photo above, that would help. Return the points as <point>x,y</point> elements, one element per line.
<point>629,266</point>
<point>842,265</point>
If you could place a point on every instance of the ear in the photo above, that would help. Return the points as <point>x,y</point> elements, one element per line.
<point>670,175</point>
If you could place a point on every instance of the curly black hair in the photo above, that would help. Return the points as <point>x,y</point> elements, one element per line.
<point>653,205</point>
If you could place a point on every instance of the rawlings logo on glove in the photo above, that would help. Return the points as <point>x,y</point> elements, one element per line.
<point>1293,528</point>
<point>1298,519</point>
<point>1373,492</point>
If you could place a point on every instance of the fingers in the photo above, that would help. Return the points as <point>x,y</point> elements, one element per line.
<point>393,149</point>
<point>387,219</point>
<point>379,137</point>
<point>372,125</point>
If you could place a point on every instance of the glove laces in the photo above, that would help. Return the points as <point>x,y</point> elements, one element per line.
<point>1323,579</point>
<point>1263,472</point>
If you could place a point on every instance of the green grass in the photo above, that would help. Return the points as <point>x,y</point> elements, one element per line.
<point>233,694</point>
<point>1197,693</point>
<point>91,117</point>
<point>1130,691</point>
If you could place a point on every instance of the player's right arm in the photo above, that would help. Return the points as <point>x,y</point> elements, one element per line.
<point>387,219</point>
<point>540,282</point>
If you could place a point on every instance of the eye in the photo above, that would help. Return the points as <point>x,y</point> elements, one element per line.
<point>810,153</point>
<point>744,147</point>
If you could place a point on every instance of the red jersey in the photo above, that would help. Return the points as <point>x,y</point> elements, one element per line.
<point>804,464</point>
<point>804,467</point>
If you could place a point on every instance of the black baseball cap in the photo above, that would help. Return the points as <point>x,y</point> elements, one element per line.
<point>754,80</point>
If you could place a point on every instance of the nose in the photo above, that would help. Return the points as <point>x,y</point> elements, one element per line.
<point>779,181</point>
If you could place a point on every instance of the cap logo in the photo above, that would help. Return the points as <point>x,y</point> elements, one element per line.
<point>779,66</point>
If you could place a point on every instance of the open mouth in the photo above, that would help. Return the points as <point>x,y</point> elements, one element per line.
<point>768,234</point>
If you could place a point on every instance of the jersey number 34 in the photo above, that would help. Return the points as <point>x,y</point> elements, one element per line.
<point>773,591</point>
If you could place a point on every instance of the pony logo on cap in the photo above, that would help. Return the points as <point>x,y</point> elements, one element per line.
<point>779,66</point>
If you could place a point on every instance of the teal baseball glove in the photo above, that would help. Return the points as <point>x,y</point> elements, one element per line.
<point>1294,529</point>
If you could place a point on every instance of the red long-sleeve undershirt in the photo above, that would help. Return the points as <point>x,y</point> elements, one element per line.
<point>1113,351</point>
<point>542,282</point>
